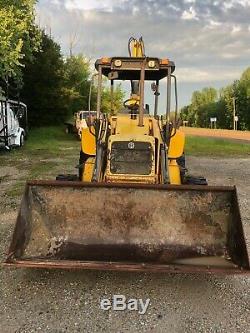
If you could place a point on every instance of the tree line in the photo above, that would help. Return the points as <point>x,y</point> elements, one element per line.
<point>210,103</point>
<point>34,70</point>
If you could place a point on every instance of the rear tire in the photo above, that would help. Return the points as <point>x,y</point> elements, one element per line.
<point>187,179</point>
<point>21,143</point>
<point>82,160</point>
<point>182,164</point>
<point>69,178</point>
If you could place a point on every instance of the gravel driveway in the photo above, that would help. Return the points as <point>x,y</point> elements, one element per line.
<point>69,301</point>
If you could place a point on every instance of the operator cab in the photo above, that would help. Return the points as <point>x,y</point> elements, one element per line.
<point>137,70</point>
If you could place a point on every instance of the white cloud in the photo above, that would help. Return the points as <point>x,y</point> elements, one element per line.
<point>225,55</point>
<point>244,3</point>
<point>136,10</point>
<point>207,75</point>
<point>189,14</point>
<point>236,28</point>
<point>89,4</point>
<point>229,4</point>
<point>205,41</point>
<point>215,23</point>
<point>174,7</point>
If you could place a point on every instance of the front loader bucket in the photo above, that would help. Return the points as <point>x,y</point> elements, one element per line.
<point>129,227</point>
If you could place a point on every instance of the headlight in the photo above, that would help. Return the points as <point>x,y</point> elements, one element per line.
<point>151,64</point>
<point>118,63</point>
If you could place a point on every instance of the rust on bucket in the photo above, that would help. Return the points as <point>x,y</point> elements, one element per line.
<point>129,227</point>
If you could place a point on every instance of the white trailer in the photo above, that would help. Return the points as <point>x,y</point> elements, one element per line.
<point>13,123</point>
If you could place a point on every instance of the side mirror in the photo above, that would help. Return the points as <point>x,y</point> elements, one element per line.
<point>153,87</point>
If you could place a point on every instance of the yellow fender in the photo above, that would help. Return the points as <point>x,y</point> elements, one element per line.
<point>177,143</point>
<point>88,141</point>
<point>176,149</point>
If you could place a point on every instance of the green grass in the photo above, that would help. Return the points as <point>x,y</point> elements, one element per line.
<point>44,143</point>
<point>201,146</point>
<point>16,190</point>
<point>48,152</point>
<point>39,169</point>
<point>50,139</point>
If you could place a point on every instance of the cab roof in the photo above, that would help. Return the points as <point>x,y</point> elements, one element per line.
<point>129,68</point>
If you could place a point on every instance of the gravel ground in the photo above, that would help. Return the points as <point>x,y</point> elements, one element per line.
<point>69,301</point>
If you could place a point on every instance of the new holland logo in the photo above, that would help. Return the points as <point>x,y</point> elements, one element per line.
<point>131,145</point>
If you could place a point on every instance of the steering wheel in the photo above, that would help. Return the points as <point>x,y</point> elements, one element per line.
<point>131,103</point>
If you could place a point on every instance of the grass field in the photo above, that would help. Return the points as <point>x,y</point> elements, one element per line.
<point>203,146</point>
<point>49,152</point>
<point>52,139</point>
<point>52,142</point>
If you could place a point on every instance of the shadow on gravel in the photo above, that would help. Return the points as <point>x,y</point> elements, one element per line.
<point>119,278</point>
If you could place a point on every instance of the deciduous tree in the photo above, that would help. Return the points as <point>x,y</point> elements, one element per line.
<point>43,89</point>
<point>19,37</point>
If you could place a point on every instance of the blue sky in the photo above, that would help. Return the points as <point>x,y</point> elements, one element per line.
<point>209,40</point>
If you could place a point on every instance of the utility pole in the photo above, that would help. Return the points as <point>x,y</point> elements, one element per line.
<point>234,112</point>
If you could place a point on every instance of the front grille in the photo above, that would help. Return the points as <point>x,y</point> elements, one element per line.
<point>131,158</point>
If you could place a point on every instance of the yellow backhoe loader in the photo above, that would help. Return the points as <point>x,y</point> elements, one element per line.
<point>133,207</point>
